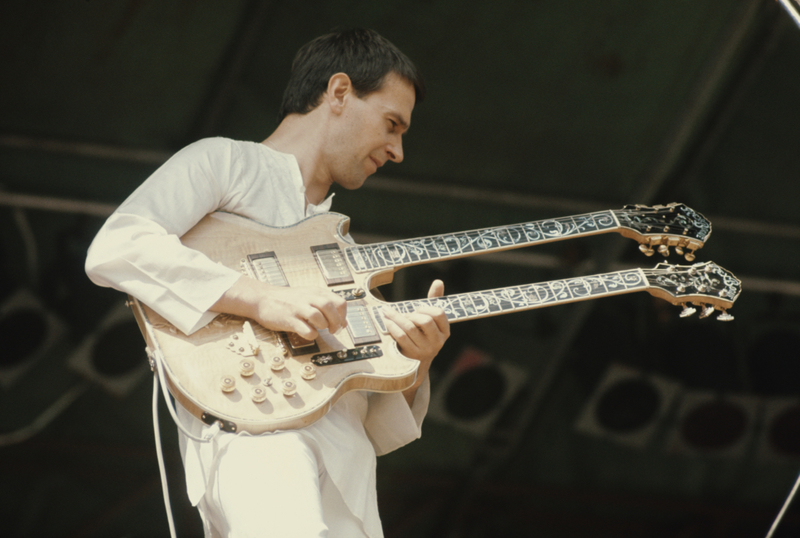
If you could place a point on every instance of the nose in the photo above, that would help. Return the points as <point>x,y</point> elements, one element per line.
<point>395,151</point>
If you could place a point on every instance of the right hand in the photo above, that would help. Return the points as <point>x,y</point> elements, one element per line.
<point>302,310</point>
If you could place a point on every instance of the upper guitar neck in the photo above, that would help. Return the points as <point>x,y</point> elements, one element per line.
<point>629,223</point>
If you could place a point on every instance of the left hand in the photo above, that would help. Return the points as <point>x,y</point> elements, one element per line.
<point>420,335</point>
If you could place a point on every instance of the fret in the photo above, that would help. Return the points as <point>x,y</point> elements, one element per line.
<point>487,239</point>
<point>415,252</point>
<point>402,307</point>
<point>370,259</point>
<point>456,243</point>
<point>531,231</point>
<point>423,249</point>
<point>457,308</point>
<point>541,294</point>
<point>385,254</point>
<point>505,298</point>
<point>491,301</point>
<point>355,255</point>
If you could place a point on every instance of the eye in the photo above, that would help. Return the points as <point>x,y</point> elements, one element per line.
<point>392,125</point>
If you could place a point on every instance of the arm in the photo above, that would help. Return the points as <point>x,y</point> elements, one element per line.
<point>138,250</point>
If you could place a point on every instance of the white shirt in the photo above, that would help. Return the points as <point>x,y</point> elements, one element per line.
<point>138,251</point>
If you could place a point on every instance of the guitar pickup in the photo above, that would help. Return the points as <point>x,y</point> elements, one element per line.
<point>266,267</point>
<point>332,264</point>
<point>360,325</point>
<point>347,355</point>
<point>298,345</point>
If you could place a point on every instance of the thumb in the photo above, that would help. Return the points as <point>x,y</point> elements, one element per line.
<point>437,289</point>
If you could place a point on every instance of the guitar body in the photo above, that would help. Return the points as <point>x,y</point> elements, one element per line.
<point>196,365</point>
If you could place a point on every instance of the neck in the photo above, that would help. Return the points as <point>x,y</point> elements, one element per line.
<point>302,135</point>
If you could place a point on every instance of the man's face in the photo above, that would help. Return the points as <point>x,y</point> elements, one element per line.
<point>371,132</point>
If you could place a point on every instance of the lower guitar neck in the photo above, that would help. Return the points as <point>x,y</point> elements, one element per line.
<point>705,284</point>
<point>481,304</point>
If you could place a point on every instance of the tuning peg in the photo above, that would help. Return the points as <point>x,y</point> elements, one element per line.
<point>678,250</point>
<point>663,250</point>
<point>646,250</point>
<point>689,256</point>
<point>707,311</point>
<point>724,316</point>
<point>687,311</point>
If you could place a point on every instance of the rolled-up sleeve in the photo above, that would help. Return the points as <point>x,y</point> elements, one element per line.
<point>137,256</point>
<point>138,250</point>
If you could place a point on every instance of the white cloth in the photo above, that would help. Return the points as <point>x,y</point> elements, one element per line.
<point>138,252</point>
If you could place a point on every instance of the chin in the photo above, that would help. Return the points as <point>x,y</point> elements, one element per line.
<point>352,184</point>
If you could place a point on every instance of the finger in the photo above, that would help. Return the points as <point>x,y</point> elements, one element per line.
<point>401,329</point>
<point>318,320</point>
<point>436,315</point>
<point>328,311</point>
<point>420,343</point>
<point>303,328</point>
<point>436,290</point>
<point>401,320</point>
<point>419,332</point>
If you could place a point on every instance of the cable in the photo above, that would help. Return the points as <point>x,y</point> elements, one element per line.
<point>158,377</point>
<point>160,455</point>
<point>159,373</point>
<point>787,4</point>
<point>786,504</point>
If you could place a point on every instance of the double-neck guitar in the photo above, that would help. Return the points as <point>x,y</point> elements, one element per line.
<point>247,378</point>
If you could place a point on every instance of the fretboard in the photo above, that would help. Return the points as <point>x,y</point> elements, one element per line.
<point>706,282</point>
<point>481,304</point>
<point>395,254</point>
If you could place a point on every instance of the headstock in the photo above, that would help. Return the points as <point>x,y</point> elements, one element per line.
<point>703,284</point>
<point>663,226</point>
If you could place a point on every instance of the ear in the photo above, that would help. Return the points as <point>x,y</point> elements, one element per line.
<point>340,88</point>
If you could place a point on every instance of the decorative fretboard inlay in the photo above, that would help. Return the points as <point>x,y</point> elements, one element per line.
<point>439,247</point>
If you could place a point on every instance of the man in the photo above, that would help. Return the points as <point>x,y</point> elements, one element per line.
<point>347,105</point>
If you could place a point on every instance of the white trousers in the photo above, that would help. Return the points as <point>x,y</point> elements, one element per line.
<point>259,494</point>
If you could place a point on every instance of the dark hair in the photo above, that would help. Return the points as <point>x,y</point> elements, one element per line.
<point>363,55</point>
